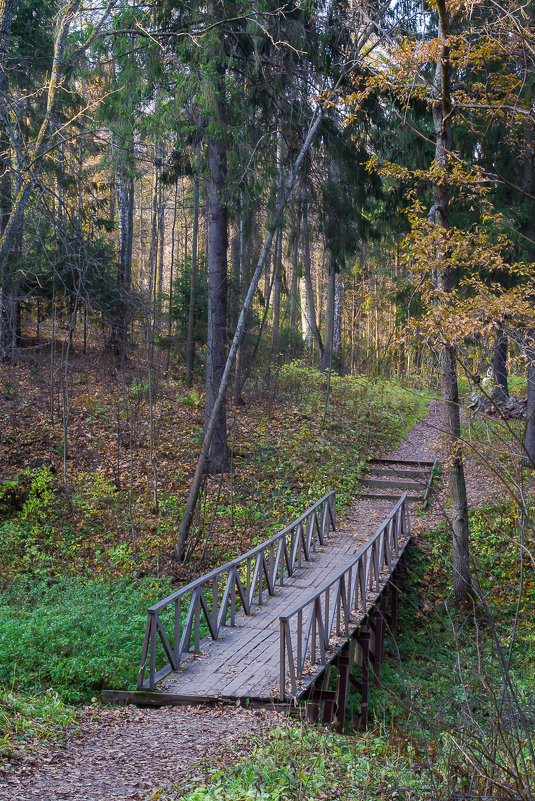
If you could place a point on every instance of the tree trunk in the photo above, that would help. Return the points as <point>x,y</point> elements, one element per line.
<point>8,289</point>
<point>217,288</point>
<point>327,355</point>
<point>442,111</point>
<point>528,184</point>
<point>307,268</point>
<point>190,343</point>
<point>121,320</point>
<point>161,246</point>
<point>337,331</point>
<point>277,260</point>
<point>277,282</point>
<point>294,288</point>
<point>153,257</point>
<point>499,361</point>
<point>529,433</point>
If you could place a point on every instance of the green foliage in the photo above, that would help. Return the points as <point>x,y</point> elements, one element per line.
<point>24,719</point>
<point>76,636</point>
<point>443,704</point>
<point>303,762</point>
<point>43,527</point>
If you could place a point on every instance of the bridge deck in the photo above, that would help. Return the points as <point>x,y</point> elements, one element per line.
<point>245,662</point>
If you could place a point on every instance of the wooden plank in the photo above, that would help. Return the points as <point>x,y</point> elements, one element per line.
<point>157,699</point>
<point>389,496</point>
<point>393,483</point>
<point>392,470</point>
<point>407,462</point>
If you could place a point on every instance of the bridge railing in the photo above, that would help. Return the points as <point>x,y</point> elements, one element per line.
<point>332,612</point>
<point>212,601</point>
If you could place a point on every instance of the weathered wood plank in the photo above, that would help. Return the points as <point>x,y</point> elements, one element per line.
<point>407,462</point>
<point>393,483</point>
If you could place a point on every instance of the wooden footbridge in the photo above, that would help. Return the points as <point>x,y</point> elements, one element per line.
<point>266,628</point>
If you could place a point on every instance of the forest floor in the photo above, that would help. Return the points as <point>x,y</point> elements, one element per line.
<point>132,753</point>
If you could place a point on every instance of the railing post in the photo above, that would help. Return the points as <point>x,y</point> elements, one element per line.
<point>152,653</point>
<point>234,571</point>
<point>176,635</point>
<point>197,623</point>
<point>282,635</point>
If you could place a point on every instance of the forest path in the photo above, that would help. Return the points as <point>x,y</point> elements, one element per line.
<point>131,753</point>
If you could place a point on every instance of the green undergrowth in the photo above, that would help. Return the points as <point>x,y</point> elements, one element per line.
<point>465,676</point>
<point>27,720</point>
<point>75,636</point>
<point>308,763</point>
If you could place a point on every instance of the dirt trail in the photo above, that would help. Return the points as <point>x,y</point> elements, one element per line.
<point>130,753</point>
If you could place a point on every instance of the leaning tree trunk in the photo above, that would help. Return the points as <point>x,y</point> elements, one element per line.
<point>442,111</point>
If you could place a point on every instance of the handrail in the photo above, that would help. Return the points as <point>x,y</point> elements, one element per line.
<point>338,606</point>
<point>273,560</point>
<point>429,484</point>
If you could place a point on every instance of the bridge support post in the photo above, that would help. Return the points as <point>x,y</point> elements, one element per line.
<point>344,668</point>
<point>323,698</point>
<point>363,655</point>
<point>394,594</point>
<point>377,625</point>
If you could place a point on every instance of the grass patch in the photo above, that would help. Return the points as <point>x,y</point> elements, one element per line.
<point>302,762</point>
<point>28,719</point>
<point>77,637</point>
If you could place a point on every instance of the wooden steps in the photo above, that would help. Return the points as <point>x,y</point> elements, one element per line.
<point>388,479</point>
